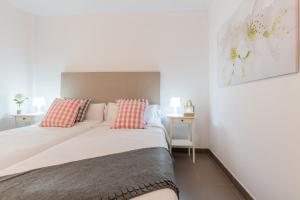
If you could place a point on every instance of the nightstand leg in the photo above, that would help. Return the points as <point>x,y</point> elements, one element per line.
<point>193,139</point>
<point>193,155</point>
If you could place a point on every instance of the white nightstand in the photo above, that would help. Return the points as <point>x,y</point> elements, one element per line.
<point>183,143</point>
<point>27,119</point>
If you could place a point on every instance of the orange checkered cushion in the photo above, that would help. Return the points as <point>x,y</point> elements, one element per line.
<point>82,110</point>
<point>62,113</point>
<point>130,114</point>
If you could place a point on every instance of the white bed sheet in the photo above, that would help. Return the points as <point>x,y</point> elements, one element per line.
<point>99,141</point>
<point>20,144</point>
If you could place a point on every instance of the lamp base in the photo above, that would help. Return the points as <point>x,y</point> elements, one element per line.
<point>39,110</point>
<point>175,112</point>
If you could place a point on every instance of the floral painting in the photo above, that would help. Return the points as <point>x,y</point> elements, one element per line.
<point>259,41</point>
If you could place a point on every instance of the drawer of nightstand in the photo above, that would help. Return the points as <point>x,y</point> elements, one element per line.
<point>182,121</point>
<point>24,119</point>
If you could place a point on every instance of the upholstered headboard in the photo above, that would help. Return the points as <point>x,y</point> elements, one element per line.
<point>110,86</point>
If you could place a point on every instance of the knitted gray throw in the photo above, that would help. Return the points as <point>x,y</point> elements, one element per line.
<point>113,177</point>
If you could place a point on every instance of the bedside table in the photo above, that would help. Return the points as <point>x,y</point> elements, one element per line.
<point>27,119</point>
<point>183,143</point>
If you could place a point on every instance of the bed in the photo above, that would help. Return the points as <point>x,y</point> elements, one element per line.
<point>98,142</point>
<point>102,163</point>
<point>21,143</point>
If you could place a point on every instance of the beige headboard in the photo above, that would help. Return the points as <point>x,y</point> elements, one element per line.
<point>110,86</point>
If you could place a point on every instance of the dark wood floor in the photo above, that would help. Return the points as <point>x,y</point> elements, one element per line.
<point>203,180</point>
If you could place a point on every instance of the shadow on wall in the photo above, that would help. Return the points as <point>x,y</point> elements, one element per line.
<point>219,134</point>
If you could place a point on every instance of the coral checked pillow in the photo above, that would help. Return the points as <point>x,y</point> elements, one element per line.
<point>130,114</point>
<point>62,113</point>
<point>82,110</point>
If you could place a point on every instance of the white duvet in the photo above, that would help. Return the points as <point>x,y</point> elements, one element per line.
<point>99,141</point>
<point>19,144</point>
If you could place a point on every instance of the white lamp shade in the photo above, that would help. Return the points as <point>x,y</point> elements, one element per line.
<point>39,101</point>
<point>175,102</point>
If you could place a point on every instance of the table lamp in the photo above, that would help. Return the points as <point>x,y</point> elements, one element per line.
<point>39,102</point>
<point>175,103</point>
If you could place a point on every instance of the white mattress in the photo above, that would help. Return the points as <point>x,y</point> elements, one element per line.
<point>19,144</point>
<point>99,141</point>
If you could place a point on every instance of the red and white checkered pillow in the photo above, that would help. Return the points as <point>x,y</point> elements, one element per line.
<point>62,113</point>
<point>82,110</point>
<point>130,114</point>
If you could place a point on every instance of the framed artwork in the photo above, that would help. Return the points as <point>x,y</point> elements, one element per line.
<point>259,41</point>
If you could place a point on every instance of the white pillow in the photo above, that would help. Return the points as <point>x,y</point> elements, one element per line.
<point>153,115</point>
<point>111,112</point>
<point>95,112</point>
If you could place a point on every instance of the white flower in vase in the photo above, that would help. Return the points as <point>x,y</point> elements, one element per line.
<point>20,99</point>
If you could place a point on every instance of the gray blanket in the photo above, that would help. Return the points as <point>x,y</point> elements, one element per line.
<point>119,176</point>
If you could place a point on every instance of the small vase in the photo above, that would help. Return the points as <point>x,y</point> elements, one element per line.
<point>19,112</point>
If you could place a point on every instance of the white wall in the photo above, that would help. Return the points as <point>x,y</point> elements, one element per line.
<point>255,127</point>
<point>175,43</point>
<point>15,58</point>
